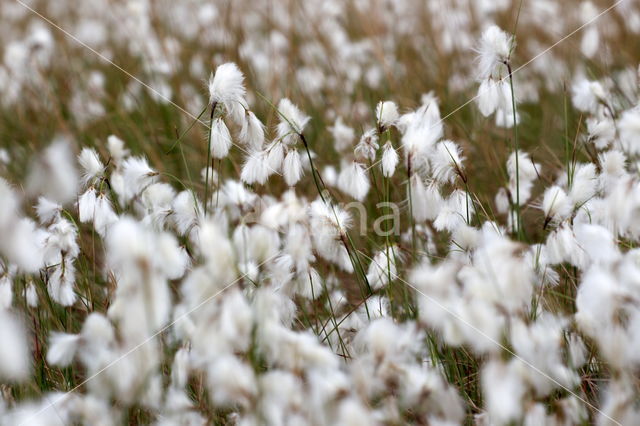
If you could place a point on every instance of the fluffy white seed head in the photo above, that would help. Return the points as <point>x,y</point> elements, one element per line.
<point>367,147</point>
<point>220,139</point>
<point>343,135</point>
<point>256,168</point>
<point>353,180</point>
<point>292,167</point>
<point>14,352</point>
<point>629,125</point>
<point>386,114</point>
<point>91,165</point>
<point>446,161</point>
<point>390,159</point>
<point>422,129</point>
<point>494,49</point>
<point>226,86</point>
<point>116,148</point>
<point>54,174</point>
<point>292,121</point>
<point>252,131</point>
<point>556,204</point>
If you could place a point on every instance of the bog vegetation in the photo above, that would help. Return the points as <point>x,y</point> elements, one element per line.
<point>319,212</point>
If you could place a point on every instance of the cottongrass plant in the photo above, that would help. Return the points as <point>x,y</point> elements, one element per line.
<point>341,261</point>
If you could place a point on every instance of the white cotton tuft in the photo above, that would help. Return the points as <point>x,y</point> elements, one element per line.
<point>47,211</point>
<point>104,215</point>
<point>220,139</point>
<point>6,292</point>
<point>252,131</point>
<point>231,381</point>
<point>330,176</point>
<point>489,97</point>
<point>583,184</point>
<point>446,161</point>
<point>292,121</point>
<point>15,357</point>
<point>602,131</point>
<point>116,148</point>
<point>136,176</point>
<point>343,135</point>
<point>292,167</point>
<point>382,268</point>
<point>87,205</point>
<point>54,174</point>
<point>386,114</point>
<point>503,391</point>
<point>526,175</point>
<point>353,181</point>
<point>91,165</point>
<point>62,348</point>
<point>31,295</point>
<point>495,47</point>
<point>612,164</point>
<point>390,159</point>
<point>555,204</point>
<point>275,156</point>
<point>186,212</point>
<point>591,37</point>
<point>597,243</point>
<point>629,126</point>
<point>425,200</point>
<point>457,210</point>
<point>587,95</point>
<point>256,168</point>
<point>226,86</point>
<point>590,42</point>
<point>502,201</point>
<point>368,146</point>
<point>422,129</point>
<point>22,245</point>
<point>60,283</point>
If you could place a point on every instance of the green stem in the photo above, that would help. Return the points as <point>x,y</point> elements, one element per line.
<point>411,221</point>
<point>206,179</point>
<point>516,148</point>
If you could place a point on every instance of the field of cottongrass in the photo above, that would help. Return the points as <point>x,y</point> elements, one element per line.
<point>358,212</point>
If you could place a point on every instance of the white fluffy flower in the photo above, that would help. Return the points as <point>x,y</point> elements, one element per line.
<point>587,95</point>
<point>15,357</point>
<point>422,129</point>
<point>386,114</point>
<point>136,176</point>
<point>91,165</point>
<point>390,160</point>
<point>353,180</point>
<point>382,268</point>
<point>252,131</point>
<point>629,125</point>
<point>54,175</point>
<point>556,204</point>
<point>292,167</point>
<point>495,47</point>
<point>61,282</point>
<point>446,161</point>
<point>368,146</point>
<point>292,121</point>
<point>220,139</point>
<point>47,211</point>
<point>226,86</point>
<point>343,135</point>
<point>116,148</point>
<point>256,168</point>
<point>494,95</point>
